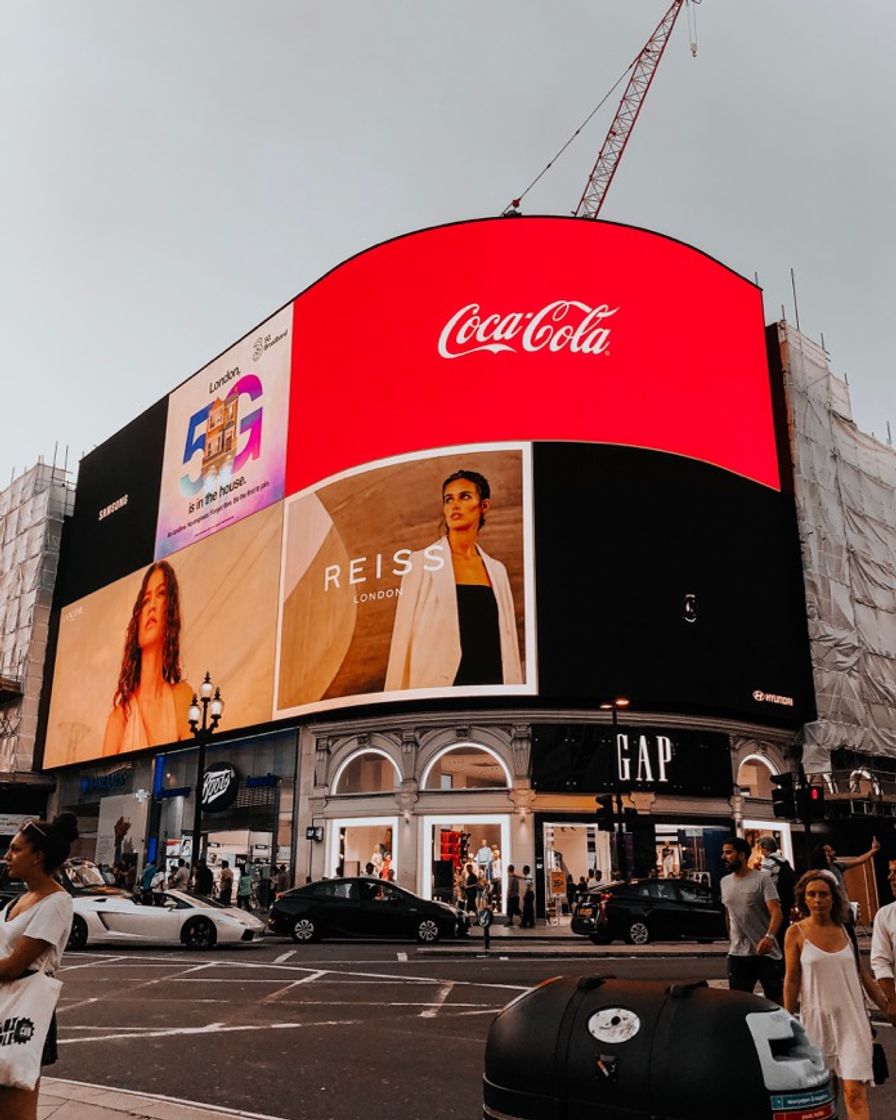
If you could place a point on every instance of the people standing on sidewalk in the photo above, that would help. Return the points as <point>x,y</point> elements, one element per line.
<point>244,888</point>
<point>513,895</point>
<point>205,880</point>
<point>883,946</point>
<point>528,890</point>
<point>753,917</point>
<point>34,929</point>
<point>824,981</point>
<point>282,882</point>
<point>180,877</point>
<point>225,890</point>
<point>149,873</point>
<point>471,888</point>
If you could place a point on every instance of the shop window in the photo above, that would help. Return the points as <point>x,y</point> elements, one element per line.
<point>755,774</point>
<point>368,772</point>
<point>466,768</point>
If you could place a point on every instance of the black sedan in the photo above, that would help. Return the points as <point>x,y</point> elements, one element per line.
<point>650,910</point>
<point>362,908</point>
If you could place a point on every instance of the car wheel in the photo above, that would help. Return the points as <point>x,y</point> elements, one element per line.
<point>638,933</point>
<point>304,931</point>
<point>77,939</point>
<point>198,933</point>
<point>428,931</point>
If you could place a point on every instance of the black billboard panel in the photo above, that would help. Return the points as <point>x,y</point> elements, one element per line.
<point>585,758</point>
<point>670,582</point>
<point>116,508</point>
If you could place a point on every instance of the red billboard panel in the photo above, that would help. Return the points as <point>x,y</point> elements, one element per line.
<point>513,329</point>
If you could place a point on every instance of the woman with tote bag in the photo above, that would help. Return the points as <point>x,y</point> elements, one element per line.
<point>34,929</point>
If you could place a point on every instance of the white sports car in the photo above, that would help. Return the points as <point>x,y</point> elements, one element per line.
<point>196,922</point>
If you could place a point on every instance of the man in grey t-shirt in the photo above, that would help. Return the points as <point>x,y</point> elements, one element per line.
<point>753,914</point>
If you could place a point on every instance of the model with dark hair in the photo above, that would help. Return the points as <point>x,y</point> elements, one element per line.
<point>151,701</point>
<point>824,980</point>
<point>35,927</point>
<point>455,622</point>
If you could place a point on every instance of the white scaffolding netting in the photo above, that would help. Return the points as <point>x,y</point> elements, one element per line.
<point>32,509</point>
<point>846,508</point>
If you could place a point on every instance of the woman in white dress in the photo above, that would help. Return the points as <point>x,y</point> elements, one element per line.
<point>824,982</point>
<point>35,927</point>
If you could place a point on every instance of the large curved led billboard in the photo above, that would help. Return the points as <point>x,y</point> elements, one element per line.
<point>513,458</point>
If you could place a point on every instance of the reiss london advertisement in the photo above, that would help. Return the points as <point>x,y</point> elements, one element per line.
<point>225,446</point>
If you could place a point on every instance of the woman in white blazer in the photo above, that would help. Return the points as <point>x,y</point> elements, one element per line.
<point>455,622</point>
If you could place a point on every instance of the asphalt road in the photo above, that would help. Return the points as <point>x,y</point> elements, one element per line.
<point>321,1032</point>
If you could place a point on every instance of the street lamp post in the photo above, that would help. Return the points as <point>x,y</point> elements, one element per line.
<point>203,715</point>
<point>613,707</point>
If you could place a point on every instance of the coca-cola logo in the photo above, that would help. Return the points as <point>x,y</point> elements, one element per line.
<point>562,324</point>
<point>219,787</point>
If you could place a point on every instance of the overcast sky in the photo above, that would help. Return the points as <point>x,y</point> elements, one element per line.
<point>175,171</point>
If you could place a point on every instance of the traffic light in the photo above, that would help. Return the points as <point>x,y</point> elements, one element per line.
<point>811,803</point>
<point>606,820</point>
<point>783,800</point>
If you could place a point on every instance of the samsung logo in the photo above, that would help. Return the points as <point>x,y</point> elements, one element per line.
<point>112,507</point>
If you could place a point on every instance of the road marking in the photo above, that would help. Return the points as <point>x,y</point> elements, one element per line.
<point>402,956</point>
<point>272,996</point>
<point>80,1003</point>
<point>212,1028</point>
<point>284,957</point>
<point>89,964</point>
<point>160,1097</point>
<point>441,995</point>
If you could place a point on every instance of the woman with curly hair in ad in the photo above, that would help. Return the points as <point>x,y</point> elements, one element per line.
<point>151,701</point>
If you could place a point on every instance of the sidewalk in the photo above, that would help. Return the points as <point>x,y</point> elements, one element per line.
<point>75,1100</point>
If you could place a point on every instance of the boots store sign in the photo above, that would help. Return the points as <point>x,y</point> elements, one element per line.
<point>220,785</point>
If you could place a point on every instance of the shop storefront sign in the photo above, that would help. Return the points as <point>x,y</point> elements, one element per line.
<point>220,785</point>
<point>658,760</point>
<point>115,781</point>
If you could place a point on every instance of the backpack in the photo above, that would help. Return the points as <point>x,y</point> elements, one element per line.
<point>784,878</point>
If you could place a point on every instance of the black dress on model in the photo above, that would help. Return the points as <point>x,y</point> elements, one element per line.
<point>480,637</point>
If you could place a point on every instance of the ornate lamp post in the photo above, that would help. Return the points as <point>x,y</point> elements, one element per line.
<point>203,715</point>
<point>613,706</point>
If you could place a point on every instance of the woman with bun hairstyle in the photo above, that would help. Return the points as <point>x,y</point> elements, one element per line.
<point>151,701</point>
<point>35,927</point>
<point>824,981</point>
<point>455,622</point>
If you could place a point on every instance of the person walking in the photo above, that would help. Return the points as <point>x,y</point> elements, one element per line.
<point>34,929</point>
<point>513,895</point>
<point>282,882</point>
<point>824,981</point>
<point>883,946</point>
<point>244,888</point>
<point>205,880</point>
<point>775,863</point>
<point>825,858</point>
<point>753,917</point>
<point>225,891</point>
<point>471,888</point>
<point>149,873</point>
<point>528,921</point>
<point>180,877</point>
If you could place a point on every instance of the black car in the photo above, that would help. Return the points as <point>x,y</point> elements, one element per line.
<point>362,907</point>
<point>650,910</point>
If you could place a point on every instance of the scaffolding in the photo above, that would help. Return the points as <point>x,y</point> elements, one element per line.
<point>32,509</point>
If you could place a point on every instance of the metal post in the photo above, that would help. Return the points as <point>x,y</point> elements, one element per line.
<point>202,727</point>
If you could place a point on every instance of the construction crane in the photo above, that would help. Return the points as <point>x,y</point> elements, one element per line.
<point>643,71</point>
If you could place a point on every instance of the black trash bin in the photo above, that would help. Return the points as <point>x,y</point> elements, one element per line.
<point>606,1049</point>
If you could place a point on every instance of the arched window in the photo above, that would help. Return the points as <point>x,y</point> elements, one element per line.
<point>755,773</point>
<point>370,771</point>
<point>862,783</point>
<point>466,767</point>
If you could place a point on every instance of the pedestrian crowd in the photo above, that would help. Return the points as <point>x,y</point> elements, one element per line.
<point>796,938</point>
